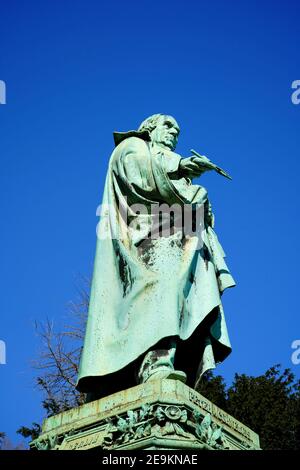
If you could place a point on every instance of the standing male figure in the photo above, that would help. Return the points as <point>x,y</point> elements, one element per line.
<point>155,308</point>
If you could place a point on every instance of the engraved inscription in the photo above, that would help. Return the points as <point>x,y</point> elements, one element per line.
<point>80,443</point>
<point>220,414</point>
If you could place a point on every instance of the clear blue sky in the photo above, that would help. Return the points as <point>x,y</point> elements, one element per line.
<point>77,70</point>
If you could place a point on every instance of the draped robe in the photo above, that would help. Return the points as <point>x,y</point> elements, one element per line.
<point>146,290</point>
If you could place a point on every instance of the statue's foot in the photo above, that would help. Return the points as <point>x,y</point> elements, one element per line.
<point>166,373</point>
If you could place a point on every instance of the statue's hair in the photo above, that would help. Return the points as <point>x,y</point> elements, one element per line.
<point>151,122</point>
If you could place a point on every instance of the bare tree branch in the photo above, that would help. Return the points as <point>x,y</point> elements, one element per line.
<point>59,356</point>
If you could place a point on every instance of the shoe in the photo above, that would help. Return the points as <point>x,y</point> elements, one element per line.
<point>166,373</point>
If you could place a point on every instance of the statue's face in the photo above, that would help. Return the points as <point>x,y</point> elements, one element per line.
<point>166,132</point>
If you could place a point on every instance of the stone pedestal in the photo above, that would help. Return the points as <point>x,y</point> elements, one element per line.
<point>163,414</point>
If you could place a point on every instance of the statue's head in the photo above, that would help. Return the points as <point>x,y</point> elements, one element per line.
<point>163,130</point>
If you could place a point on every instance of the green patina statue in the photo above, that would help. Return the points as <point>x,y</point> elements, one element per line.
<point>155,307</point>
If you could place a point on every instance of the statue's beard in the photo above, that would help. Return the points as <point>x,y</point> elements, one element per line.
<point>164,142</point>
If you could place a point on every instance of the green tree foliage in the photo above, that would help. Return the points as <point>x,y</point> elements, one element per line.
<point>32,432</point>
<point>269,404</point>
<point>213,387</point>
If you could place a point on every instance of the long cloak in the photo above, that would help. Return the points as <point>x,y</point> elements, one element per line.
<point>143,292</point>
